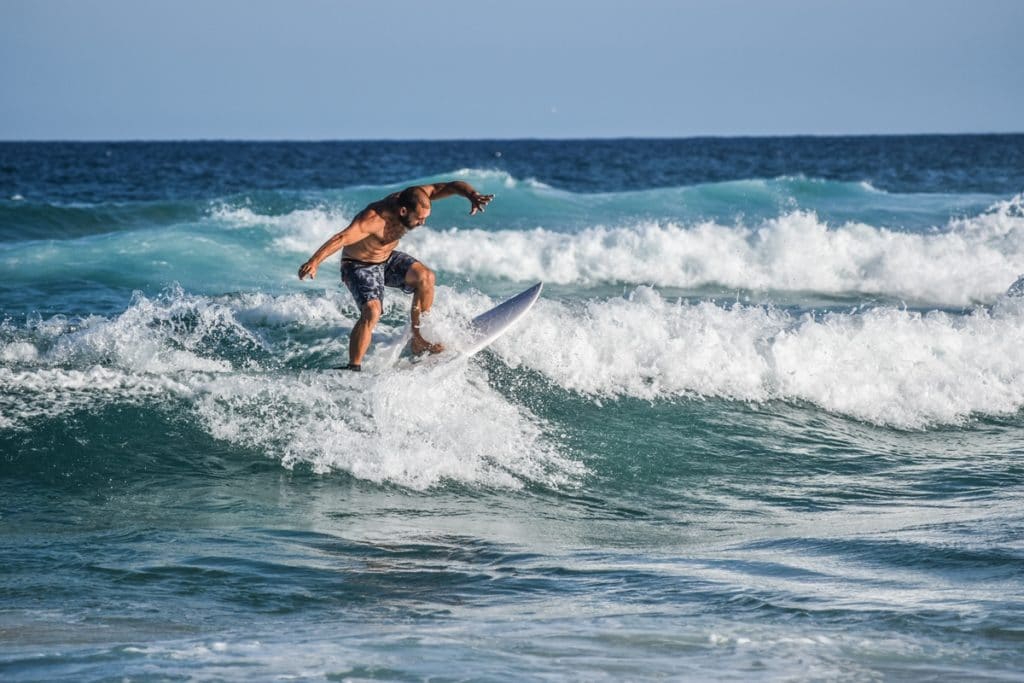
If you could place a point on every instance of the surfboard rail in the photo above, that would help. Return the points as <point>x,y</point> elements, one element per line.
<point>491,324</point>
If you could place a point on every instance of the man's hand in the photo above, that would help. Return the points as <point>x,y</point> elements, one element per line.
<point>479,201</point>
<point>308,269</point>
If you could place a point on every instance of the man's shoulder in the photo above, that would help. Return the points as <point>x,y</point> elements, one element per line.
<point>427,189</point>
<point>373,213</point>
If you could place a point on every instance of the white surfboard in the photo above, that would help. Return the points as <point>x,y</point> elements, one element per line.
<point>488,326</point>
<point>483,330</point>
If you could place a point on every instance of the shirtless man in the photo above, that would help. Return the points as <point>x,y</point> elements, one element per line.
<point>371,262</point>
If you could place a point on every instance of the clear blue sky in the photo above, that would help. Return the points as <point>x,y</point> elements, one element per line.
<point>319,69</point>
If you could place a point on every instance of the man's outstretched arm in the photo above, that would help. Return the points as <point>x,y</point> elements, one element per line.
<point>358,229</point>
<point>463,189</point>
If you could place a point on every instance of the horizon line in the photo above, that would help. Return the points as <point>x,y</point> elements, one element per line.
<point>514,139</point>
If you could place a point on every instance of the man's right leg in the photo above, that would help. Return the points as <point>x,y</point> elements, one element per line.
<point>366,282</point>
<point>362,332</point>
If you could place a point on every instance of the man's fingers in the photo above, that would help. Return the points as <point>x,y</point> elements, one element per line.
<point>479,202</point>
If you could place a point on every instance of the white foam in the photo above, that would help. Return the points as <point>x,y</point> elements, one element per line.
<point>141,355</point>
<point>418,427</point>
<point>18,352</point>
<point>966,261</point>
<point>972,261</point>
<point>426,424</point>
<point>332,308</point>
<point>299,231</point>
<point>150,336</point>
<point>887,366</point>
<point>493,176</point>
<point>50,393</point>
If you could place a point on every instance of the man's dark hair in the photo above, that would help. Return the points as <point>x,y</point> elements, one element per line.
<point>413,198</point>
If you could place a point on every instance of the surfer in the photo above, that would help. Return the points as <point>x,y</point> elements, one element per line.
<point>370,261</point>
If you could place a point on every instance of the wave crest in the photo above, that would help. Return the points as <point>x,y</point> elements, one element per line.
<point>970,262</point>
<point>885,365</point>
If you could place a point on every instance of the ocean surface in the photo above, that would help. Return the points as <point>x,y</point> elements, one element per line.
<point>765,423</point>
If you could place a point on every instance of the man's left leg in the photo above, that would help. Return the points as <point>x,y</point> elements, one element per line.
<point>420,279</point>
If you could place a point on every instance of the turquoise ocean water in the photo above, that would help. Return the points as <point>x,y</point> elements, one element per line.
<point>765,422</point>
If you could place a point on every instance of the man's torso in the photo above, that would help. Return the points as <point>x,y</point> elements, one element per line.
<point>382,240</point>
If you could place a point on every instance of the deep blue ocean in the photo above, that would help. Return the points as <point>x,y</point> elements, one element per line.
<point>765,423</point>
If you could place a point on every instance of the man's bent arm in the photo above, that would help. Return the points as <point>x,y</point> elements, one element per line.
<point>461,188</point>
<point>357,230</point>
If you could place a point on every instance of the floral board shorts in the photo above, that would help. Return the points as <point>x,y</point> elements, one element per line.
<point>367,281</point>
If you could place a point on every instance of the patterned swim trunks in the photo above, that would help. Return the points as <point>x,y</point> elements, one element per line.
<point>367,281</point>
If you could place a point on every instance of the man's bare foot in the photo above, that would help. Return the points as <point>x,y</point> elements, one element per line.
<point>420,345</point>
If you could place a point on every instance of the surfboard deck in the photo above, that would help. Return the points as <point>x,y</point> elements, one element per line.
<point>483,330</point>
<point>491,324</point>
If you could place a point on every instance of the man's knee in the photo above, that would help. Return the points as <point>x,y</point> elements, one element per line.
<point>422,276</point>
<point>370,312</point>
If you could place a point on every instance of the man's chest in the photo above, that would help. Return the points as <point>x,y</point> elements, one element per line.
<point>391,233</point>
